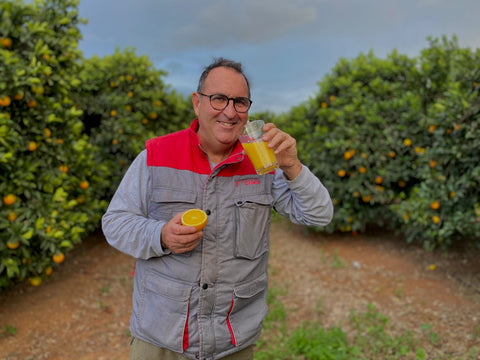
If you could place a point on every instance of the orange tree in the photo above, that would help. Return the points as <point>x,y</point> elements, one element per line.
<point>352,136</point>
<point>125,102</point>
<point>444,206</point>
<point>365,134</point>
<point>47,169</point>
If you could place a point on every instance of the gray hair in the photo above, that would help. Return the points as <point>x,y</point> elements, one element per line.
<point>222,62</point>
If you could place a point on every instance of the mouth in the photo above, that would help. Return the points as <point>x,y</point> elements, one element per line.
<point>227,124</point>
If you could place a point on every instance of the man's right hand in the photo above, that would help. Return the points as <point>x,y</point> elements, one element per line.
<point>179,238</point>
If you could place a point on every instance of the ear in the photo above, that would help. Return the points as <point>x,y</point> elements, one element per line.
<point>196,102</point>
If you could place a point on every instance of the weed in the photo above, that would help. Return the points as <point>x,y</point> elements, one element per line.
<point>319,307</point>
<point>338,263</point>
<point>399,292</point>
<point>432,336</point>
<point>8,330</point>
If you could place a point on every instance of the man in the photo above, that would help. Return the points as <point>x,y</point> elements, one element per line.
<point>202,294</point>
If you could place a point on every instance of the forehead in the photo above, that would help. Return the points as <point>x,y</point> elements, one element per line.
<point>226,81</point>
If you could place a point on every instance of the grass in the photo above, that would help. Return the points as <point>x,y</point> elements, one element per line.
<point>370,337</point>
<point>8,330</point>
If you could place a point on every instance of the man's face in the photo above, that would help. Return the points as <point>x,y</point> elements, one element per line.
<point>219,129</point>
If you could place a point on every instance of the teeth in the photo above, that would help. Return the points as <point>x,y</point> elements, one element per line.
<point>226,124</point>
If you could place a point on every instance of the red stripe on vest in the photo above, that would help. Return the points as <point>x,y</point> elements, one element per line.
<point>232,335</point>
<point>181,150</point>
<point>185,331</point>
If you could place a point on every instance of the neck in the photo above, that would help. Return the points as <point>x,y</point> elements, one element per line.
<point>217,155</point>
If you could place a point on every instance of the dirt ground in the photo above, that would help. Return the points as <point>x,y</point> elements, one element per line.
<point>82,310</point>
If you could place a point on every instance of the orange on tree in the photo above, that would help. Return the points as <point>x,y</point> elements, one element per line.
<point>6,42</point>
<point>31,103</point>
<point>63,168</point>
<point>14,245</point>
<point>48,271</point>
<point>342,173</point>
<point>196,218</point>
<point>378,180</point>
<point>431,128</point>
<point>392,154</point>
<point>47,132</point>
<point>5,100</point>
<point>435,205</point>
<point>362,170</point>
<point>367,198</point>
<point>435,219</point>
<point>113,113</point>
<point>348,155</point>
<point>420,150</point>
<point>12,216</point>
<point>84,185</point>
<point>9,199</point>
<point>58,258</point>
<point>407,142</point>
<point>32,146</point>
<point>35,281</point>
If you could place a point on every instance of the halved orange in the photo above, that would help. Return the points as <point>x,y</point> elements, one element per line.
<point>195,217</point>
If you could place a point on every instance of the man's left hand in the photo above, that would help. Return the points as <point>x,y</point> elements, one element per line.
<point>285,148</point>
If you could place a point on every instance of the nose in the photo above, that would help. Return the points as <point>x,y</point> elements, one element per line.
<point>230,110</point>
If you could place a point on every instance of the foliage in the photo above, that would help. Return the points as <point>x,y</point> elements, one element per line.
<point>67,124</point>
<point>125,102</point>
<point>46,165</point>
<point>392,137</point>
<point>394,140</point>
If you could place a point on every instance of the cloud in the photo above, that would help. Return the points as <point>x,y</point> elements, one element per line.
<point>226,23</point>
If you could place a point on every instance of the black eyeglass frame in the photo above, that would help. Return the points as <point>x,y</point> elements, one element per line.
<point>228,101</point>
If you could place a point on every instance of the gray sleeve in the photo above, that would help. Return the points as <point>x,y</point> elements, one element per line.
<point>303,200</point>
<point>125,224</point>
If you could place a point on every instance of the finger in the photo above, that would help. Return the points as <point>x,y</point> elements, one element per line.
<point>185,230</point>
<point>268,126</point>
<point>186,243</point>
<point>278,140</point>
<point>287,145</point>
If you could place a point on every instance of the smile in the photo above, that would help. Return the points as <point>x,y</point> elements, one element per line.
<point>227,124</point>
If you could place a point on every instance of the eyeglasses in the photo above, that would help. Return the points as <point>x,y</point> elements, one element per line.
<point>220,102</point>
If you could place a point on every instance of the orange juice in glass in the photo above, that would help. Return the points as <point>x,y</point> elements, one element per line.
<point>261,156</point>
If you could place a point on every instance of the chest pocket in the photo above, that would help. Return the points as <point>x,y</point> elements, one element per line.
<point>166,202</point>
<point>252,226</point>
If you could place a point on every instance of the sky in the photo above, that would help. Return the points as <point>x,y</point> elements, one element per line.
<point>285,46</point>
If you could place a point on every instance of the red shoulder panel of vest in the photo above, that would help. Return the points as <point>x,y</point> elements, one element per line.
<point>181,150</point>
